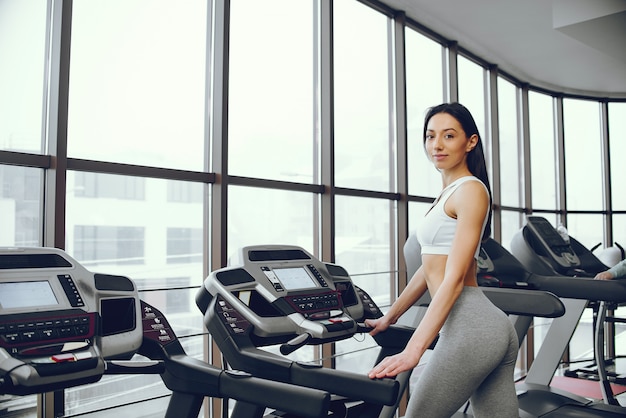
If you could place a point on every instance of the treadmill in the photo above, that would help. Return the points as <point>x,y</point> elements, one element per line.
<point>63,326</point>
<point>283,295</point>
<point>542,250</point>
<point>535,394</point>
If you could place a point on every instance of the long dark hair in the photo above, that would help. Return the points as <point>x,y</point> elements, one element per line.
<point>476,157</point>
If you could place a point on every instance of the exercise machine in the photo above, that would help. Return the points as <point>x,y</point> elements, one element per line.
<point>63,326</point>
<point>542,250</point>
<point>283,295</point>
<point>536,396</point>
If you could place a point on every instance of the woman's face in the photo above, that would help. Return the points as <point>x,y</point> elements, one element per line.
<point>446,143</point>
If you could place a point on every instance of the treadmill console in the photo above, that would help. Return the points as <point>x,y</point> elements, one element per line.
<point>277,292</point>
<point>59,322</point>
<point>548,242</point>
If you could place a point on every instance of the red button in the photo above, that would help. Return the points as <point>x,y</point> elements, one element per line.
<point>61,358</point>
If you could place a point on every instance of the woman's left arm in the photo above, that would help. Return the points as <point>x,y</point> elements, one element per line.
<point>469,206</point>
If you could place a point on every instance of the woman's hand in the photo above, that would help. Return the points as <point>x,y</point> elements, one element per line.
<point>378,324</point>
<point>605,275</point>
<point>393,365</point>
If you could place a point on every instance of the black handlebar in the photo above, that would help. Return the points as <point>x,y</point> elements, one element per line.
<point>295,343</point>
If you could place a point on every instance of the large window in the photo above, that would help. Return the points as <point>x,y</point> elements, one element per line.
<point>542,151</point>
<point>273,90</point>
<point>137,85</point>
<point>472,94</point>
<point>22,74</point>
<point>259,216</point>
<point>20,205</point>
<point>510,145</point>
<point>363,243</point>
<point>363,150</point>
<point>583,148</point>
<point>617,144</point>
<point>424,89</point>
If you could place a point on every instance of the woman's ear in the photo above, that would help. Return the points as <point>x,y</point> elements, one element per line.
<point>471,144</point>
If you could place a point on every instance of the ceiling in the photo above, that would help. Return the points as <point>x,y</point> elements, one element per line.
<point>572,46</point>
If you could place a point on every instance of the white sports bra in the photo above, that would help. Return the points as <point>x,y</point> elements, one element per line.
<point>436,232</point>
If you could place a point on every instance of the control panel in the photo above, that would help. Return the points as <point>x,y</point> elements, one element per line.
<point>278,292</point>
<point>548,242</point>
<point>59,322</point>
<point>283,295</point>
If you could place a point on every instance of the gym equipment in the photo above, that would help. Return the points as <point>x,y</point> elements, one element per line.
<point>543,251</point>
<point>535,394</point>
<point>63,326</point>
<point>283,295</point>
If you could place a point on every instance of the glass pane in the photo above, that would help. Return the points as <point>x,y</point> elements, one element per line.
<point>272,90</point>
<point>362,243</point>
<point>617,144</point>
<point>585,228</point>
<point>22,74</point>
<point>583,148</point>
<point>177,300</point>
<point>472,91</point>
<point>123,225</point>
<point>511,223</point>
<point>619,229</point>
<point>129,232</point>
<point>265,216</point>
<point>363,150</point>
<point>424,88</point>
<point>511,171</point>
<point>139,86</point>
<point>114,390</point>
<point>20,206</point>
<point>133,402</point>
<point>356,355</point>
<point>542,151</point>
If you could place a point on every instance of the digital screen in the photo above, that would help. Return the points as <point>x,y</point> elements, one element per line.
<point>26,295</point>
<point>294,278</point>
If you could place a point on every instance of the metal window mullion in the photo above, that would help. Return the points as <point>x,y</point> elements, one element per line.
<point>218,207</point>
<point>491,110</point>
<point>327,157</point>
<point>401,156</point>
<point>524,145</point>
<point>606,174</point>
<point>327,149</point>
<point>59,44</point>
<point>451,71</point>
<point>559,135</point>
<point>52,404</point>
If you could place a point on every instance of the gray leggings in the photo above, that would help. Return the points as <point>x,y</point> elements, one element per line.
<point>474,359</point>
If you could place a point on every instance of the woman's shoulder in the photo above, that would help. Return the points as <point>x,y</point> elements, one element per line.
<point>471,189</point>
<point>470,183</point>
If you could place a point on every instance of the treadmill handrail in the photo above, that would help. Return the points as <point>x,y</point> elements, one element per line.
<point>581,287</point>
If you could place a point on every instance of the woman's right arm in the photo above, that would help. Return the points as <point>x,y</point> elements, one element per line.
<point>617,271</point>
<point>411,293</point>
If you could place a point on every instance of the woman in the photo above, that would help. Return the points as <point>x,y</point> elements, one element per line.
<point>476,352</point>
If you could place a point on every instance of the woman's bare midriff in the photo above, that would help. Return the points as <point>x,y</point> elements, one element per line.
<point>434,267</point>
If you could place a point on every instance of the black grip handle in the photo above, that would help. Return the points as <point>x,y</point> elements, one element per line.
<point>295,343</point>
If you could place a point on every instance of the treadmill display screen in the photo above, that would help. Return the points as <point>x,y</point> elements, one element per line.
<point>294,278</point>
<point>15,295</point>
